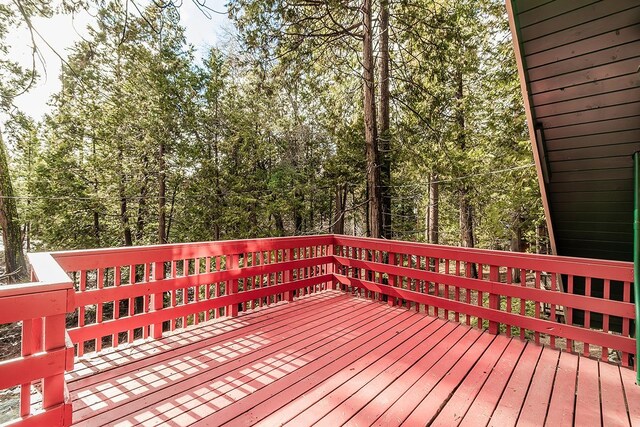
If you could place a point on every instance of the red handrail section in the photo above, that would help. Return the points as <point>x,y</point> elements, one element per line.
<point>86,301</point>
<point>46,353</point>
<point>578,305</point>
<point>134,293</point>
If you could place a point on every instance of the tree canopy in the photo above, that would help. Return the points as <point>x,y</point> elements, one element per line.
<point>279,130</point>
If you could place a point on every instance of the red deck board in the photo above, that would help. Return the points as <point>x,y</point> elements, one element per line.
<point>479,414</point>
<point>132,358</point>
<point>313,386</point>
<point>332,359</point>
<point>588,392</point>
<point>412,397</point>
<point>613,404</point>
<point>189,371</point>
<point>432,402</point>
<point>510,404</point>
<point>376,407</point>
<point>384,325</point>
<point>536,403</point>
<point>461,400</point>
<point>632,395</point>
<point>564,392</point>
<point>333,409</point>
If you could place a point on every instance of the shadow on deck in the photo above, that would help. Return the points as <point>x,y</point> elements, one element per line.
<point>332,359</point>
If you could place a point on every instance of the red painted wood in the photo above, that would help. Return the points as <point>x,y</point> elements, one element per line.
<point>351,369</point>
<point>530,323</point>
<point>632,394</point>
<point>212,374</point>
<point>361,267</point>
<point>616,308</point>
<point>413,395</point>
<point>308,380</point>
<point>141,320</point>
<point>509,405</point>
<point>612,397</point>
<point>487,399</point>
<point>614,270</point>
<point>363,379</point>
<point>537,400</point>
<point>431,403</point>
<point>32,367</point>
<point>289,408</point>
<point>52,417</point>
<point>29,306</point>
<point>463,397</point>
<point>588,392</point>
<point>188,341</point>
<point>102,258</point>
<point>564,392</point>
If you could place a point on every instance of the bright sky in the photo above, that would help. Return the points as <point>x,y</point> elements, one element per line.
<point>63,30</point>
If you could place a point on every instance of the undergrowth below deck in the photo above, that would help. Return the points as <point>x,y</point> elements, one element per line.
<point>332,359</point>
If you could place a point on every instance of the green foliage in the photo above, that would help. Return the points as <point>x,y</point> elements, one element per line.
<point>259,138</point>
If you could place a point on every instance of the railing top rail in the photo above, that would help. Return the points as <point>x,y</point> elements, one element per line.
<point>48,274</point>
<point>86,259</point>
<point>613,270</point>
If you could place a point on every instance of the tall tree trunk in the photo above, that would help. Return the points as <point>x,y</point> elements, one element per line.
<point>385,122</point>
<point>517,242</point>
<point>434,197</point>
<point>370,129</point>
<point>9,222</point>
<point>341,205</point>
<point>124,214</point>
<point>298,219</point>
<point>466,212</point>
<point>162,196</point>
<point>142,202</point>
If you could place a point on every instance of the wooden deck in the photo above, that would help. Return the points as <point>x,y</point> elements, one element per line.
<point>332,359</point>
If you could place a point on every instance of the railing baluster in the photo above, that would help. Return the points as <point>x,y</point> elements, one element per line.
<point>568,312</point>
<point>174,292</point>
<point>494,300</point>
<point>207,287</point>
<point>509,280</point>
<point>457,291</point>
<point>586,351</point>
<point>605,319</point>
<point>157,299</point>
<point>81,309</point>
<point>132,281</point>
<point>552,309</point>
<point>538,285</point>
<point>100,281</point>
<point>185,291</point>
<point>116,304</point>
<point>626,322</point>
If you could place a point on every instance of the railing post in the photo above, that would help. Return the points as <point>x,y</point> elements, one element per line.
<point>636,253</point>
<point>286,254</point>
<point>331,267</point>
<point>54,339</point>
<point>392,279</point>
<point>157,300</point>
<point>494,300</point>
<point>232,264</point>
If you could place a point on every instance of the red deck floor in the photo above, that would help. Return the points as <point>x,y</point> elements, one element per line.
<point>331,359</point>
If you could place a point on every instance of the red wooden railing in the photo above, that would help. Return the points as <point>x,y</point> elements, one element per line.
<point>130,293</point>
<point>41,307</point>
<point>578,305</point>
<point>115,296</point>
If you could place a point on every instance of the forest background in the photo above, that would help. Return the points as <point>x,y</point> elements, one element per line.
<point>395,119</point>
